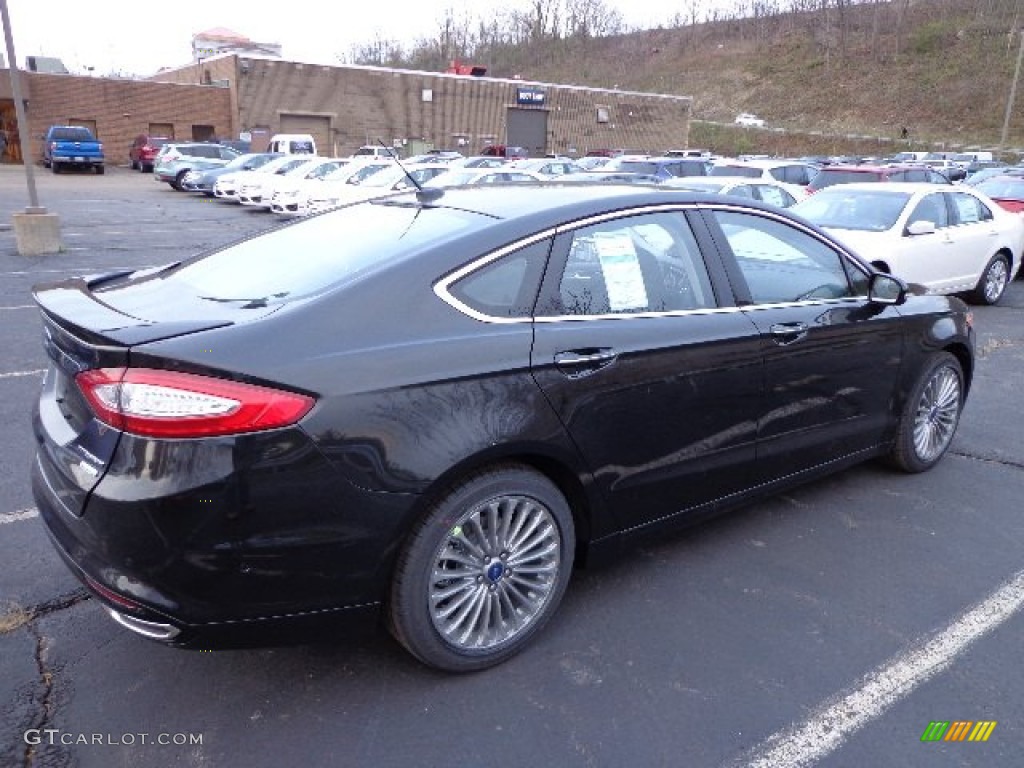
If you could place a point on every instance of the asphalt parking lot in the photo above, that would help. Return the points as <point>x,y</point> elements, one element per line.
<point>828,626</point>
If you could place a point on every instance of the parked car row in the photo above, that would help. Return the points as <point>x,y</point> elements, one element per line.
<point>941,238</point>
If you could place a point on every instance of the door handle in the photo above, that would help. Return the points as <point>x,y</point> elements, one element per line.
<point>580,362</point>
<point>787,333</point>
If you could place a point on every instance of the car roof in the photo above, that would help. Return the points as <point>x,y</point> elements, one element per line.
<point>720,180</point>
<point>761,163</point>
<point>881,168</point>
<point>895,186</point>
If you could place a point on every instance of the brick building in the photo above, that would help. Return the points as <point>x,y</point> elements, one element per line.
<point>344,107</point>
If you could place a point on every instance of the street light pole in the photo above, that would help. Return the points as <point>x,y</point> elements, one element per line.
<point>36,232</point>
<point>19,111</point>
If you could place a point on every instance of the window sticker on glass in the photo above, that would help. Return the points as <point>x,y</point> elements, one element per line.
<point>621,269</point>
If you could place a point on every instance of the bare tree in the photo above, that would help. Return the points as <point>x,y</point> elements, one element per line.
<point>585,19</point>
<point>379,52</point>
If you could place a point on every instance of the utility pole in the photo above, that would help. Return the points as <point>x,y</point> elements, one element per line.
<point>1013,93</point>
<point>19,110</point>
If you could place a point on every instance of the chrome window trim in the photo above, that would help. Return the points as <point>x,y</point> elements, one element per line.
<point>442,287</point>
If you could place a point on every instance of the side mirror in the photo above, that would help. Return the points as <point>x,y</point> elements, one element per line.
<point>886,290</point>
<point>921,227</point>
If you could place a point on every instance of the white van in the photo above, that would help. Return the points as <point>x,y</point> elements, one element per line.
<point>292,144</point>
<point>371,151</point>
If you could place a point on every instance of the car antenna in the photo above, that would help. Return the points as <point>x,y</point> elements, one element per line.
<point>422,195</point>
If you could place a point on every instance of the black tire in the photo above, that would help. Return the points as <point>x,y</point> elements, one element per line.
<point>992,284</point>
<point>135,166</point>
<point>505,586</point>
<point>100,170</point>
<point>176,184</point>
<point>55,167</point>
<point>930,415</point>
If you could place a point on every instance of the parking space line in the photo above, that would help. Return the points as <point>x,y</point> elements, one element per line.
<point>18,374</point>
<point>22,306</point>
<point>21,514</point>
<point>838,717</point>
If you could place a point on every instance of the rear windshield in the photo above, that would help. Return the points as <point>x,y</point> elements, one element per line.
<point>71,133</point>
<point>636,166</point>
<point>301,147</point>
<point>736,170</point>
<point>310,256</point>
<point>827,177</point>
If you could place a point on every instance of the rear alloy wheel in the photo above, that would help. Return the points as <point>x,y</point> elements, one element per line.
<point>930,415</point>
<point>483,571</point>
<point>176,184</point>
<point>993,281</point>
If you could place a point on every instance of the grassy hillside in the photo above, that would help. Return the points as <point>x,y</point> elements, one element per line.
<point>941,68</point>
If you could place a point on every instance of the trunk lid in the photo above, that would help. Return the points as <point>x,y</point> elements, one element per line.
<point>93,323</point>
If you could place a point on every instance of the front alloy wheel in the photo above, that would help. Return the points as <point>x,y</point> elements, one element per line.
<point>484,570</point>
<point>930,416</point>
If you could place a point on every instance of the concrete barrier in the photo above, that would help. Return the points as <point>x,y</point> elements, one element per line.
<point>37,233</point>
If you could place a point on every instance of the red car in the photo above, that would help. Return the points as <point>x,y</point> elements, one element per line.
<point>143,151</point>
<point>1006,191</point>
<point>847,174</point>
<point>509,153</point>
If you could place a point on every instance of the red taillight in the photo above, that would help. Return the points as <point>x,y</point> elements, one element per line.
<point>157,403</point>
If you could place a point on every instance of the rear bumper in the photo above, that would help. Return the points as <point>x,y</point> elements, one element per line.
<point>78,159</point>
<point>225,541</point>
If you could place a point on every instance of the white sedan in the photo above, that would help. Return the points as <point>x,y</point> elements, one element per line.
<point>249,184</point>
<point>261,193</point>
<point>749,120</point>
<point>286,193</point>
<point>945,239</point>
<point>383,181</point>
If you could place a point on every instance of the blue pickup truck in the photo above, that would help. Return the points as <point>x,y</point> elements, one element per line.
<point>71,145</point>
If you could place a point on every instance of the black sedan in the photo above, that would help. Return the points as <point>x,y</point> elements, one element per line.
<point>429,407</point>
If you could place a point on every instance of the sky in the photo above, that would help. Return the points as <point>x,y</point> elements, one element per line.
<point>131,38</point>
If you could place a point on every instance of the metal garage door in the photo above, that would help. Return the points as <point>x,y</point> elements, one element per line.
<point>528,128</point>
<point>318,127</point>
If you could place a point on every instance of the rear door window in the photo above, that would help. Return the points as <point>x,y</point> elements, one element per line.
<point>968,209</point>
<point>636,264</point>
